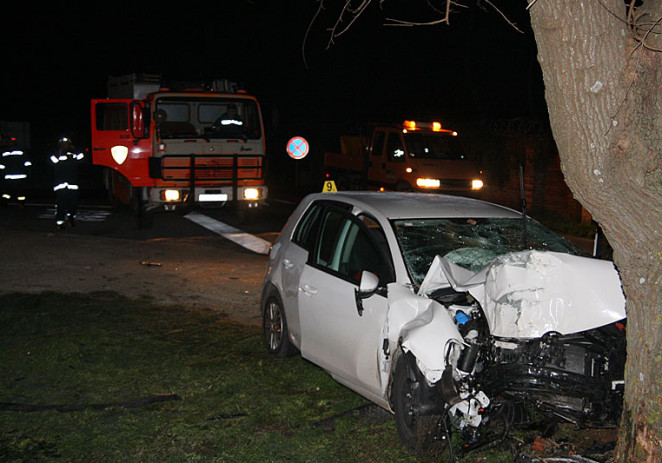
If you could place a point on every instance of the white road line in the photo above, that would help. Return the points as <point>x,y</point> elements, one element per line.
<point>248,241</point>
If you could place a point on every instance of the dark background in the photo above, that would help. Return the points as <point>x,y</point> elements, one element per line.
<point>57,57</point>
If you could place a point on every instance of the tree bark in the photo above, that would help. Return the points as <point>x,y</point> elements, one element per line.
<point>604,95</point>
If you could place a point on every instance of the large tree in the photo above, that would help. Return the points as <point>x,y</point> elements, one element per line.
<point>601,62</point>
<point>602,67</point>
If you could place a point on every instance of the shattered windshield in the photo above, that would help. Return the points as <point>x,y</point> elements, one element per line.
<point>471,243</point>
<point>439,145</point>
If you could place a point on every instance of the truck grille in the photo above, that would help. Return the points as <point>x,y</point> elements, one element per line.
<point>216,168</point>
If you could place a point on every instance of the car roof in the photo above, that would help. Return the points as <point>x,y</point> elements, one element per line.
<point>404,205</point>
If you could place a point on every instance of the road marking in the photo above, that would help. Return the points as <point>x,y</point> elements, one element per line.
<point>248,241</point>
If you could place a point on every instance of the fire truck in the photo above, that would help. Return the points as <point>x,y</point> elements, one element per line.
<point>412,156</point>
<point>169,147</point>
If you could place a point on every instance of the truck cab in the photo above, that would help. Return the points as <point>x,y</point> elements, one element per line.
<point>172,148</point>
<point>418,156</point>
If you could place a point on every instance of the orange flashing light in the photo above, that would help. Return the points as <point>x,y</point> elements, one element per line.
<point>409,125</point>
<point>413,125</point>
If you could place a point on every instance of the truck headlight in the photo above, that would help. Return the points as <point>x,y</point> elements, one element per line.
<point>476,184</point>
<point>428,182</point>
<point>251,193</point>
<point>171,195</point>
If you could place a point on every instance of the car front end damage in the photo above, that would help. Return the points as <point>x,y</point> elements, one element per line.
<point>541,328</point>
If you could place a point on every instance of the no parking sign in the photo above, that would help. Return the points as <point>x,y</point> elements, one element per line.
<point>297,147</point>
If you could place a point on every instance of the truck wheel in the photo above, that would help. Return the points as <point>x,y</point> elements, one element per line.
<point>144,219</point>
<point>416,432</point>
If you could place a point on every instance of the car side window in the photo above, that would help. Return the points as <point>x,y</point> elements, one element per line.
<point>333,227</point>
<point>347,247</point>
<point>306,231</point>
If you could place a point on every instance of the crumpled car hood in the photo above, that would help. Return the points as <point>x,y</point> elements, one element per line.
<point>529,293</point>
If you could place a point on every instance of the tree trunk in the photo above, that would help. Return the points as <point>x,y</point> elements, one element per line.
<point>604,96</point>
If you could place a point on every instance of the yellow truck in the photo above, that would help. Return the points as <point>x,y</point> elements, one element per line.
<point>413,156</point>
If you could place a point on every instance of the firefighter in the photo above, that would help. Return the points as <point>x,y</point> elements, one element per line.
<point>229,121</point>
<point>65,164</point>
<point>14,170</point>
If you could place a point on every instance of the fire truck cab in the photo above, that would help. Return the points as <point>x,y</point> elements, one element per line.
<point>167,148</point>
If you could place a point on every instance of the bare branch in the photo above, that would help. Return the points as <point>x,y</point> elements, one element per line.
<point>336,31</point>
<point>512,24</point>
<point>305,37</point>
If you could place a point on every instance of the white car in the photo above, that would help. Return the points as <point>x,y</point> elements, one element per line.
<point>443,309</point>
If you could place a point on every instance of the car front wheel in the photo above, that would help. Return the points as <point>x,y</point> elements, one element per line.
<point>417,432</point>
<point>276,335</point>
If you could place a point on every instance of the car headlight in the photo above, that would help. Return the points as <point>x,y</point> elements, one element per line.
<point>476,184</point>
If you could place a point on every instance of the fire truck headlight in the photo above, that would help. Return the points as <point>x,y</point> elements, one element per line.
<point>476,184</point>
<point>252,193</point>
<point>428,182</point>
<point>171,195</point>
<point>119,153</point>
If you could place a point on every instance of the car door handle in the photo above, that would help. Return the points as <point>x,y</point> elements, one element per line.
<point>287,263</point>
<point>309,290</point>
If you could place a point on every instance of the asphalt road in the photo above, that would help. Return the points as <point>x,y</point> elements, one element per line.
<point>175,261</point>
<point>97,218</point>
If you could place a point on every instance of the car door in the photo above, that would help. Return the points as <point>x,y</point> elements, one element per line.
<point>293,259</point>
<point>334,334</point>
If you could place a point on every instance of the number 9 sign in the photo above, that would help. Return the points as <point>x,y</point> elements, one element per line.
<point>329,187</point>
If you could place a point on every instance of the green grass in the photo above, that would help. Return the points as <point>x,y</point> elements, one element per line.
<point>236,403</point>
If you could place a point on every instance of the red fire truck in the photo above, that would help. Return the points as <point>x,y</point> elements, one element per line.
<point>171,147</point>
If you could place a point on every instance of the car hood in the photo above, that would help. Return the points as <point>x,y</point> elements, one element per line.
<point>529,293</point>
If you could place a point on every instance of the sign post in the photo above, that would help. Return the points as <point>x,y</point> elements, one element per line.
<point>297,148</point>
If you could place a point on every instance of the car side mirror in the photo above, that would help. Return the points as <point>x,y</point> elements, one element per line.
<point>368,286</point>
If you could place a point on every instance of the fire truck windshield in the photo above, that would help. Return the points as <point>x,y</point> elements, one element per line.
<point>207,117</point>
<point>435,145</point>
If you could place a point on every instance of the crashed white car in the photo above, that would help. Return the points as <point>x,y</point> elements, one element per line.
<point>442,309</point>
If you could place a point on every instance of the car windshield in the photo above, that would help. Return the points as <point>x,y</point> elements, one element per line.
<point>471,243</point>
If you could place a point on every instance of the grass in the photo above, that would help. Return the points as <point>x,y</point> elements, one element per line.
<point>236,403</point>
<point>96,353</point>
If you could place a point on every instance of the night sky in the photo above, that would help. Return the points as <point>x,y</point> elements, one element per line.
<point>57,57</point>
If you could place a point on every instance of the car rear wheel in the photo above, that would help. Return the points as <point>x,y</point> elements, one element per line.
<point>416,432</point>
<point>276,334</point>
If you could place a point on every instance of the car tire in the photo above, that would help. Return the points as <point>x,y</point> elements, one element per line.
<point>274,325</point>
<point>416,432</point>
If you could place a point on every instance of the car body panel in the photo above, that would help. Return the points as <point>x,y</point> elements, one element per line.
<point>530,293</point>
<point>423,327</point>
<point>334,335</point>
